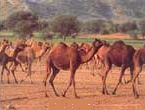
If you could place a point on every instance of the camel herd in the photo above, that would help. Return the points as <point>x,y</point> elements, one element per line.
<point>69,57</point>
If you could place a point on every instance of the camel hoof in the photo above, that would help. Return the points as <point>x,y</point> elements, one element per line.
<point>113,93</point>
<point>107,93</point>
<point>93,74</point>
<point>77,97</point>
<point>16,82</point>
<point>57,95</point>
<point>122,83</point>
<point>139,83</point>
<point>2,82</point>
<point>21,81</point>
<point>32,82</point>
<point>63,95</point>
<point>136,96</point>
<point>46,95</point>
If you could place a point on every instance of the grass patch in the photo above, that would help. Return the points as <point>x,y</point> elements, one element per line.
<point>39,37</point>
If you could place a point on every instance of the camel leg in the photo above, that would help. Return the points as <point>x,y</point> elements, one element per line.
<point>120,79</point>
<point>52,77</point>
<point>13,72</point>
<point>74,87</point>
<point>93,67</point>
<point>28,74</point>
<point>104,90</point>
<point>138,80</point>
<point>131,75</point>
<point>108,67</point>
<point>48,72</point>
<point>8,74</point>
<point>22,67</point>
<point>11,64</point>
<point>72,81</point>
<point>136,74</point>
<point>2,73</point>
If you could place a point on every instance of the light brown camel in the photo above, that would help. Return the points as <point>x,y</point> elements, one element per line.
<point>64,57</point>
<point>120,55</point>
<point>138,61</point>
<point>27,57</point>
<point>84,48</point>
<point>101,54</point>
<point>4,59</point>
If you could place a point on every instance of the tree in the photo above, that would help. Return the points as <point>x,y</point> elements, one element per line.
<point>98,26</point>
<point>1,25</point>
<point>142,27</point>
<point>22,22</point>
<point>65,25</point>
<point>44,25</point>
<point>91,27</point>
<point>128,26</point>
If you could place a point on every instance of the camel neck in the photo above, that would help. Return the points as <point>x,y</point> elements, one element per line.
<point>3,48</point>
<point>89,55</point>
<point>40,53</point>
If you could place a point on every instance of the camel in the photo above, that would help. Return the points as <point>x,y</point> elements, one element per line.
<point>120,55</point>
<point>102,52</point>
<point>84,48</point>
<point>64,57</point>
<point>4,59</point>
<point>138,61</point>
<point>27,56</point>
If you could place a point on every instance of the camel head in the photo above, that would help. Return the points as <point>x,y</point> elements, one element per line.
<point>97,43</point>
<point>4,44</point>
<point>119,42</point>
<point>45,47</point>
<point>74,45</point>
<point>20,47</point>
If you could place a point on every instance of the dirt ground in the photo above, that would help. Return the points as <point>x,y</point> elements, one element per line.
<point>28,96</point>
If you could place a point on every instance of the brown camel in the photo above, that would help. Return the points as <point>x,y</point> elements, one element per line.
<point>84,48</point>
<point>64,57</point>
<point>4,59</point>
<point>27,57</point>
<point>138,61</point>
<point>120,55</point>
<point>101,54</point>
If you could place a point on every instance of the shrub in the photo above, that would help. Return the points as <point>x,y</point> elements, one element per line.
<point>65,25</point>
<point>98,26</point>
<point>22,22</point>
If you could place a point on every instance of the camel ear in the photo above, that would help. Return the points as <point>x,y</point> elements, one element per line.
<point>97,40</point>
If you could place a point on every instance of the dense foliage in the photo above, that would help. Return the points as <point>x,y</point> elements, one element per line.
<point>25,23</point>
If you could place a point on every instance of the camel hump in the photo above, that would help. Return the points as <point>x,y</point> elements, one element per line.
<point>58,47</point>
<point>119,42</point>
<point>62,44</point>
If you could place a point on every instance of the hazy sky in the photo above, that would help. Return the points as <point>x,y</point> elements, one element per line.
<point>35,0</point>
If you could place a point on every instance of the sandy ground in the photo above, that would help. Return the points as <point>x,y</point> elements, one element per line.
<point>108,36</point>
<point>28,96</point>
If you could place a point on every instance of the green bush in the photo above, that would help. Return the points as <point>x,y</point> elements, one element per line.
<point>98,26</point>
<point>22,22</point>
<point>65,25</point>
